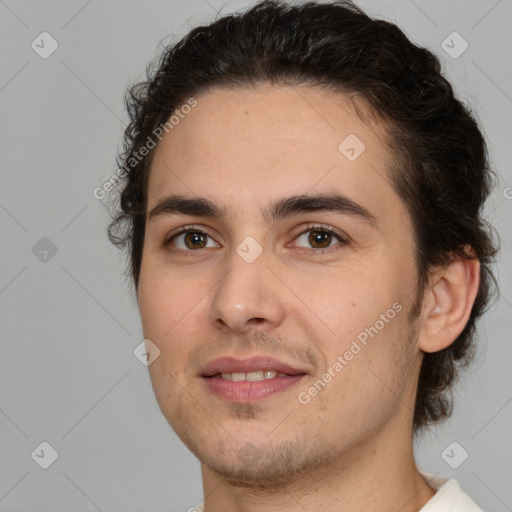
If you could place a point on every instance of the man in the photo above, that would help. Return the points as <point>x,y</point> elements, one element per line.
<point>302,203</point>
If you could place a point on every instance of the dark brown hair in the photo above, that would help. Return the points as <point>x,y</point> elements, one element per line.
<point>442,172</point>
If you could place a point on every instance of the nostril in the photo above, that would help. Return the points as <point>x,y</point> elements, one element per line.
<point>221,322</point>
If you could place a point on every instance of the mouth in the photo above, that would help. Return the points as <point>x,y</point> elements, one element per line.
<point>253,376</point>
<point>249,380</point>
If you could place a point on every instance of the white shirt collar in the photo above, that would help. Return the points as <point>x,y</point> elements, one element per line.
<point>449,497</point>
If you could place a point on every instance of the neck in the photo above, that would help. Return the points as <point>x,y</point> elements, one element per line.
<point>379,475</point>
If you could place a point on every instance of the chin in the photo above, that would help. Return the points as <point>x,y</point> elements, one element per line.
<point>266,466</point>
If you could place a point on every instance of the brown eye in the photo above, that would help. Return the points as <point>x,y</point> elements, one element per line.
<point>320,239</point>
<point>190,240</point>
<point>195,240</point>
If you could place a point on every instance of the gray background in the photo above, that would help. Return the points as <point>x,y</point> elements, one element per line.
<point>69,324</point>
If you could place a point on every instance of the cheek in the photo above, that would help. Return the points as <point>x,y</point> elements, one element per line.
<point>349,299</point>
<point>366,315</point>
<point>367,367</point>
<point>173,313</point>
<point>165,299</point>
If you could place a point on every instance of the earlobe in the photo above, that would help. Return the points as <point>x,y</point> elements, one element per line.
<point>448,302</point>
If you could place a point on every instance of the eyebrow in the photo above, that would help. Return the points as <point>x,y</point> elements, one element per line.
<point>286,207</point>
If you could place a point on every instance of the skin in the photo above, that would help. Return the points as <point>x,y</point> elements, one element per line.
<point>350,446</point>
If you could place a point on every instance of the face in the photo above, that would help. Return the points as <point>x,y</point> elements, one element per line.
<point>277,275</point>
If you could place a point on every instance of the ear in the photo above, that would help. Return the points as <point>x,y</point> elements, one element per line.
<point>447,303</point>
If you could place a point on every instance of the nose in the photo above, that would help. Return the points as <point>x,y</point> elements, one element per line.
<point>247,298</point>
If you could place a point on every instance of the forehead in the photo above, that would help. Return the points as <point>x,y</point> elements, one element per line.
<point>257,145</point>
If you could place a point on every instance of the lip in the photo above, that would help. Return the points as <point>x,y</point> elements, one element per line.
<point>249,391</point>
<point>251,364</point>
